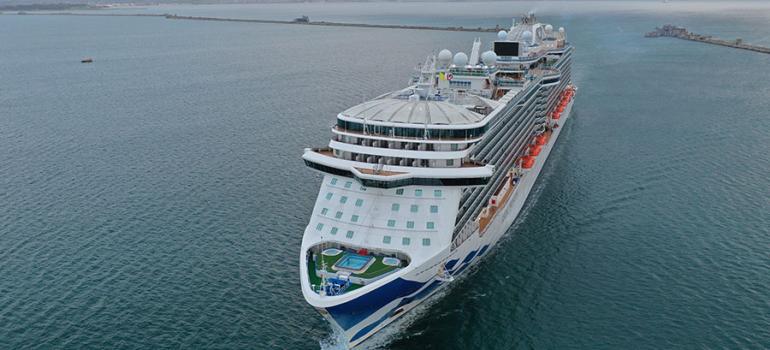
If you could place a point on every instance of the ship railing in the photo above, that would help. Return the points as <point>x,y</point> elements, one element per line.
<point>467,230</point>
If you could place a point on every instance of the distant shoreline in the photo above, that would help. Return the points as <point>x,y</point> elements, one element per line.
<point>267,21</point>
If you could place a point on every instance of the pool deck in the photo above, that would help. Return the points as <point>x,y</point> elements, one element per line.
<point>376,269</point>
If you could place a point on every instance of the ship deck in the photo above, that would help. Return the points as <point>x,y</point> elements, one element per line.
<point>358,267</point>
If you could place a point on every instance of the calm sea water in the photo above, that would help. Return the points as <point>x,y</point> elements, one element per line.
<point>156,198</point>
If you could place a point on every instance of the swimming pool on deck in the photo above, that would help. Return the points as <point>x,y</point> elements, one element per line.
<point>354,263</point>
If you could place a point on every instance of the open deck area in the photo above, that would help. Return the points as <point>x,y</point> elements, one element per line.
<point>337,270</point>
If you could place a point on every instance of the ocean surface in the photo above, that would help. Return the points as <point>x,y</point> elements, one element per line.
<point>156,198</point>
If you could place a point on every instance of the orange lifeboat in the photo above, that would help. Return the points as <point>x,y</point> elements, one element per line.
<point>527,162</point>
<point>556,116</point>
<point>535,150</point>
<point>540,140</point>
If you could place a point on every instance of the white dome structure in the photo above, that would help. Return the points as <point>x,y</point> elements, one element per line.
<point>489,58</point>
<point>461,59</point>
<point>548,29</point>
<point>561,30</point>
<point>502,35</point>
<point>444,57</point>
<point>527,37</point>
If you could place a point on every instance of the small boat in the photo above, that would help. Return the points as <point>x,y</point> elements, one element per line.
<point>87,60</point>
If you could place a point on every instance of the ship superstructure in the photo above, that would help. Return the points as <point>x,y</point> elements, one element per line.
<point>419,183</point>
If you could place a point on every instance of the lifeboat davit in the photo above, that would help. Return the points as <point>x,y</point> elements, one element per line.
<point>527,162</point>
<point>535,150</point>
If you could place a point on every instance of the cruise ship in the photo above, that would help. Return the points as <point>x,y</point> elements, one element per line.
<point>419,184</point>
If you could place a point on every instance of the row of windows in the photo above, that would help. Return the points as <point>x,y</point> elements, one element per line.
<point>391,222</point>
<point>412,162</point>
<point>405,145</point>
<point>405,241</point>
<point>399,191</point>
<point>348,184</point>
<point>430,225</point>
<point>411,132</point>
<point>418,192</point>
<point>385,239</point>
<point>343,200</point>
<point>413,208</point>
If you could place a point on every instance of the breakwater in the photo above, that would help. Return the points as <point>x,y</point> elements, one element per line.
<point>338,24</point>
<point>267,21</point>
<point>672,31</point>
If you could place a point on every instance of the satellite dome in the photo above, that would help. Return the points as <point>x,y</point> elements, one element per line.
<point>489,58</point>
<point>502,35</point>
<point>461,59</point>
<point>548,29</point>
<point>526,36</point>
<point>561,30</point>
<point>444,57</point>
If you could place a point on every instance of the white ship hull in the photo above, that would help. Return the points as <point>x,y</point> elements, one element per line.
<point>396,295</point>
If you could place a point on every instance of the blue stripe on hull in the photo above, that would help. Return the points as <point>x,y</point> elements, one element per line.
<point>420,295</point>
<point>353,312</point>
